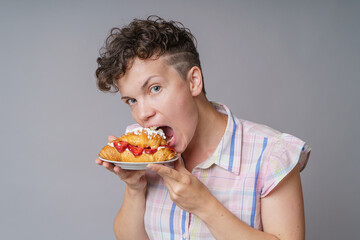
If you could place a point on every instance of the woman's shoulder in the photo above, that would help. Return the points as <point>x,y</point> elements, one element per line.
<point>279,145</point>
<point>258,129</point>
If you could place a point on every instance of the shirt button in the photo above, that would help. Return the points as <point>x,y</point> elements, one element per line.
<point>186,236</point>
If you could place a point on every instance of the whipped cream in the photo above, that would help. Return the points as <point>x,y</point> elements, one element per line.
<point>152,131</point>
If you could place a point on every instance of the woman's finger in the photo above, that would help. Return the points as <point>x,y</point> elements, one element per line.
<point>180,166</point>
<point>165,171</point>
<point>98,161</point>
<point>111,138</point>
<point>109,166</point>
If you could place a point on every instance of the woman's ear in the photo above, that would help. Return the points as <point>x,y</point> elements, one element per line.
<point>195,81</point>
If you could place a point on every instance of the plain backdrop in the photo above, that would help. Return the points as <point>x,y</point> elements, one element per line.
<point>292,65</point>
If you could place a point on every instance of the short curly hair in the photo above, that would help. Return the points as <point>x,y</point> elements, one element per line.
<point>143,39</point>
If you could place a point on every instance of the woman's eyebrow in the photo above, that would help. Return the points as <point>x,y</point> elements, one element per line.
<point>125,98</point>
<point>144,85</point>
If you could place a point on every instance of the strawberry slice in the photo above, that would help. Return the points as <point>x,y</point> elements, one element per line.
<point>150,150</point>
<point>121,146</point>
<point>137,151</point>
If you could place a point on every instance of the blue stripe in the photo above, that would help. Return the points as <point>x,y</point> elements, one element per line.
<point>247,173</point>
<point>232,146</point>
<point>222,147</point>
<point>171,222</point>
<point>183,222</point>
<point>253,210</point>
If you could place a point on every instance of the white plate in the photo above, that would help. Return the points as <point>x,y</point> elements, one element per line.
<point>136,165</point>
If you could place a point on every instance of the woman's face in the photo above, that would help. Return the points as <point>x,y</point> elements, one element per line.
<point>158,96</point>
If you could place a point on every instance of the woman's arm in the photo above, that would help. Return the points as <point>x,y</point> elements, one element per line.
<point>282,210</point>
<point>129,222</point>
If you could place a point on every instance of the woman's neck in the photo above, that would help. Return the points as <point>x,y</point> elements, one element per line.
<point>210,130</point>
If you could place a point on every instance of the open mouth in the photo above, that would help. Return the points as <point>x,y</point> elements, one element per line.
<point>169,133</point>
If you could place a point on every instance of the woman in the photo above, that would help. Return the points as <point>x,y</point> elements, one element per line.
<point>235,179</point>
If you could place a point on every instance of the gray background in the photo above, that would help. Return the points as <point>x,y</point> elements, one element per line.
<point>292,65</point>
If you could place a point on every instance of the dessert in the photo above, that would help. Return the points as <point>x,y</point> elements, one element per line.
<point>139,145</point>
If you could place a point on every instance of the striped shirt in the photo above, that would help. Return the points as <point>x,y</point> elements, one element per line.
<point>250,160</point>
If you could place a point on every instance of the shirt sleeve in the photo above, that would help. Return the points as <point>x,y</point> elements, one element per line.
<point>287,153</point>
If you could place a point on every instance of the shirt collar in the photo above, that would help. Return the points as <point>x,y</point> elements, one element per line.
<point>228,153</point>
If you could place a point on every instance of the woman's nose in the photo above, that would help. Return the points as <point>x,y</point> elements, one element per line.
<point>145,111</point>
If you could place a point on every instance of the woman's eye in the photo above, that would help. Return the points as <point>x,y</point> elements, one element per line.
<point>155,89</point>
<point>131,101</point>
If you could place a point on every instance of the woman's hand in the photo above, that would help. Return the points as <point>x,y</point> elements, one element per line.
<point>135,180</point>
<point>185,190</point>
